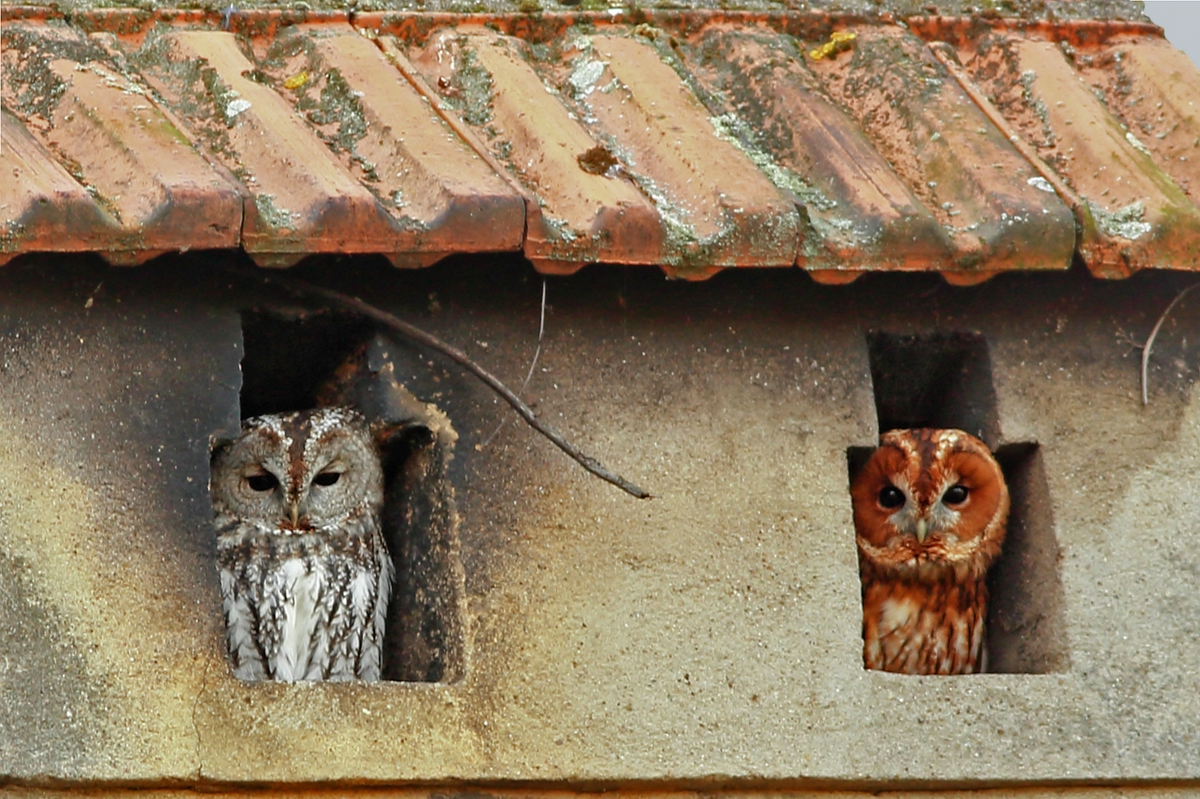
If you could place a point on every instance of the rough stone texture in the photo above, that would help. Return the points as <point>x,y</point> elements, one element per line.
<point>112,387</point>
<point>707,637</point>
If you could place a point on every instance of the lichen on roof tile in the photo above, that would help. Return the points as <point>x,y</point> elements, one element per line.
<point>1132,211</point>
<point>679,135</point>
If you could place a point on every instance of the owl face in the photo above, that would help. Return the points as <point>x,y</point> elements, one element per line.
<point>930,505</point>
<point>300,471</point>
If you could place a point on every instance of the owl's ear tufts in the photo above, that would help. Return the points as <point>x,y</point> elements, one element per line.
<point>217,449</point>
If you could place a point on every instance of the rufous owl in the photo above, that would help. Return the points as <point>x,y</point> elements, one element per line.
<point>930,509</point>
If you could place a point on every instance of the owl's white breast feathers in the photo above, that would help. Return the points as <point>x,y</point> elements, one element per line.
<point>306,618</point>
<point>297,647</point>
<point>898,613</point>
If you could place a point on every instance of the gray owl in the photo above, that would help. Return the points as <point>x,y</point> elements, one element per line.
<point>305,571</point>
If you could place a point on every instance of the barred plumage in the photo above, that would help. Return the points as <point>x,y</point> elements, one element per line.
<point>305,572</point>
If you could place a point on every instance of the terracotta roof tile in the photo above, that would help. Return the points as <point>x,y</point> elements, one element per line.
<point>109,133</point>
<point>693,140</point>
<point>1132,213</point>
<point>575,215</point>
<point>42,205</point>
<point>719,209</point>
<point>908,159</point>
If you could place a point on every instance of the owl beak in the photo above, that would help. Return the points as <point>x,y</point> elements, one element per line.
<point>922,530</point>
<point>295,508</point>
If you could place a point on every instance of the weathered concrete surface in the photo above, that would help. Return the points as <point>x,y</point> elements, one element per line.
<point>104,437</point>
<point>710,635</point>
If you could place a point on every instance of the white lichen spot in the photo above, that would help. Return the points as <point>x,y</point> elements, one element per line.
<point>585,75</point>
<point>734,130</point>
<point>1125,222</point>
<point>235,107</point>
<point>1039,182</point>
<point>560,229</point>
<point>1136,143</point>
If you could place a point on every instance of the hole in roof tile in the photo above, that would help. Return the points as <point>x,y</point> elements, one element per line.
<point>300,361</point>
<point>945,381</point>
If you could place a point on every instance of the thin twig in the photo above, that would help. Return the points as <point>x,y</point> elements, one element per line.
<point>532,365</point>
<point>407,330</point>
<point>1150,341</point>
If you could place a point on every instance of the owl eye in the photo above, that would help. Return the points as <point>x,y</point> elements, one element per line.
<point>955,494</point>
<point>261,482</point>
<point>891,497</point>
<point>327,479</point>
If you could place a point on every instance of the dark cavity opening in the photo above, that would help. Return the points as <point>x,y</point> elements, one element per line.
<point>1027,631</point>
<point>945,380</point>
<point>288,361</point>
<point>298,361</point>
<point>937,380</point>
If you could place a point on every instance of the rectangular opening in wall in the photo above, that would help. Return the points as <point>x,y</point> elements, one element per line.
<point>1026,626</point>
<point>299,362</point>
<point>944,380</point>
<point>288,360</point>
<point>935,380</point>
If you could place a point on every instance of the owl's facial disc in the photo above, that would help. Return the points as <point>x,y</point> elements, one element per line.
<point>930,503</point>
<point>302,472</point>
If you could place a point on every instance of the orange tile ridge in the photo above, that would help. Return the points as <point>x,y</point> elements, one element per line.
<point>581,216</point>
<point>1166,121</point>
<point>162,193</point>
<point>416,25</point>
<point>963,168</point>
<point>943,52</point>
<point>1079,32</point>
<point>41,205</point>
<point>305,200</point>
<point>732,211</point>
<point>393,54</point>
<point>1113,172</point>
<point>185,130</point>
<point>405,67</point>
<point>462,203</point>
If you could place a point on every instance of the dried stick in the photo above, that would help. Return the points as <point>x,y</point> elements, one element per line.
<point>532,365</point>
<point>407,330</point>
<point>1150,341</point>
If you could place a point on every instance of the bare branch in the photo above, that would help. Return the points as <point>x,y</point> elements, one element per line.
<point>1150,342</point>
<point>387,320</point>
<point>532,365</point>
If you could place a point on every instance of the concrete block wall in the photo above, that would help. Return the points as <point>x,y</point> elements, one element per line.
<point>708,638</point>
